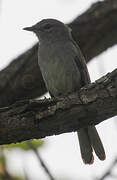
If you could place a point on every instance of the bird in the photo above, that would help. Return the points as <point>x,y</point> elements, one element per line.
<point>64,71</point>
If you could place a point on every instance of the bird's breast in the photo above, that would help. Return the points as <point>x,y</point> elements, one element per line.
<point>59,71</point>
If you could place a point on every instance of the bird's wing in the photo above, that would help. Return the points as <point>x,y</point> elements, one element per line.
<point>81,64</point>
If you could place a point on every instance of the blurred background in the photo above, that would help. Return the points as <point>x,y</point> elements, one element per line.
<point>60,153</point>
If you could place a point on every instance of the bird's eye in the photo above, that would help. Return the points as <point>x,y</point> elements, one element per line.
<point>47,26</point>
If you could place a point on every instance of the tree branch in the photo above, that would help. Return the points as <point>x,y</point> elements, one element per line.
<point>40,118</point>
<point>95,31</point>
<point>109,172</point>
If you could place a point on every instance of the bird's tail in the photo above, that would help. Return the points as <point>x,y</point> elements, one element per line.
<point>89,140</point>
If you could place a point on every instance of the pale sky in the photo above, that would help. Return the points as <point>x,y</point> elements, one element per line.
<point>61,153</point>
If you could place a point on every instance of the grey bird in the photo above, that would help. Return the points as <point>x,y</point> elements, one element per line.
<point>64,71</point>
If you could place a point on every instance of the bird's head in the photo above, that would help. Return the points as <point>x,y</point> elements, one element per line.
<point>50,29</point>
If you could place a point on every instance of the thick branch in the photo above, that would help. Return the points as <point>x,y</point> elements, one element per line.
<point>36,119</point>
<point>95,31</point>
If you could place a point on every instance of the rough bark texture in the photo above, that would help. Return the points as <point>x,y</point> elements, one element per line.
<point>94,31</point>
<point>36,119</point>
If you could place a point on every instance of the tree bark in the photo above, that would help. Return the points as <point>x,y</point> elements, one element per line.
<point>30,119</point>
<point>94,31</point>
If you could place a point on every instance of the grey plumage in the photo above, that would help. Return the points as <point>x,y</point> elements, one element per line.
<point>64,71</point>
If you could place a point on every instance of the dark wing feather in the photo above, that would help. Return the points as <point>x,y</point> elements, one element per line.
<point>81,64</point>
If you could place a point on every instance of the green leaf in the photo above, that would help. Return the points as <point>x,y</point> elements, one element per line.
<point>2,160</point>
<point>17,178</point>
<point>24,146</point>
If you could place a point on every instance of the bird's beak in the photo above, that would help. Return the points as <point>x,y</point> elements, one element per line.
<point>29,28</point>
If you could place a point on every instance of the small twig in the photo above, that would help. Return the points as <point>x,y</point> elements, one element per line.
<point>40,160</point>
<point>109,171</point>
